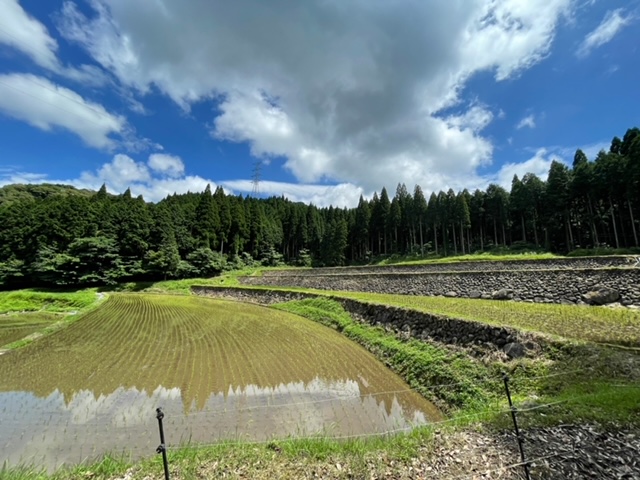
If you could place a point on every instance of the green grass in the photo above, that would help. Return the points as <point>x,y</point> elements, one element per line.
<point>288,458</point>
<point>475,257</point>
<point>183,286</point>
<point>27,312</point>
<point>48,301</point>
<point>602,251</point>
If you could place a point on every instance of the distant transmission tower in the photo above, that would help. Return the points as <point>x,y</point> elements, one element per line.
<point>257,170</point>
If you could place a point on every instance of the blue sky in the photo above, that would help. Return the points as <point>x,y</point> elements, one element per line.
<point>335,99</point>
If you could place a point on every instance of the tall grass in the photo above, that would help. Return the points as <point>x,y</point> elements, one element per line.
<point>47,301</point>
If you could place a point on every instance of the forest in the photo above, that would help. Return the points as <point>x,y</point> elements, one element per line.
<point>57,235</point>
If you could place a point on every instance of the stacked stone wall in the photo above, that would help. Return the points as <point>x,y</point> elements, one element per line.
<point>539,286</point>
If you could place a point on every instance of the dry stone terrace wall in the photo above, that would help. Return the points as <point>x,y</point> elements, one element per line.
<point>540,286</point>
<point>476,266</point>
<point>425,326</point>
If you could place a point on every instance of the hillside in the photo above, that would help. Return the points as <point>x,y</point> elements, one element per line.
<point>20,192</point>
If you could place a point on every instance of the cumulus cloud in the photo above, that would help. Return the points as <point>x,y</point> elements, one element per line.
<point>612,23</point>
<point>349,92</point>
<point>539,165</point>
<point>528,121</point>
<point>169,165</point>
<point>160,176</point>
<point>45,105</point>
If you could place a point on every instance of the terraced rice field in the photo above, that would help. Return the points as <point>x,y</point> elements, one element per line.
<point>14,327</point>
<point>221,370</point>
<point>619,326</point>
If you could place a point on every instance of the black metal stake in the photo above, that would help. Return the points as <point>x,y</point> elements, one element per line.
<point>162,448</point>
<point>514,410</point>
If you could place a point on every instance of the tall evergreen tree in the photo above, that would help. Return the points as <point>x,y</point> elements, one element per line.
<point>420,213</point>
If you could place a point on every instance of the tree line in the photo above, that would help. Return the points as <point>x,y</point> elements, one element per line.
<point>52,235</point>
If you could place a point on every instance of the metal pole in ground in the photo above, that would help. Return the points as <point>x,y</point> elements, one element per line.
<point>162,448</point>
<point>514,410</point>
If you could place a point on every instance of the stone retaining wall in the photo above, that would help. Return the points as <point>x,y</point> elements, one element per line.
<point>541,286</point>
<point>576,263</point>
<point>412,323</point>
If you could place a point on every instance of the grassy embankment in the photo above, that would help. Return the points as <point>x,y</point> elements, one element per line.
<point>602,381</point>
<point>27,314</point>
<point>498,256</point>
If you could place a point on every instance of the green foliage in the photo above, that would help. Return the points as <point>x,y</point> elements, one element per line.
<point>206,263</point>
<point>271,258</point>
<point>10,194</point>
<point>34,300</point>
<point>58,235</point>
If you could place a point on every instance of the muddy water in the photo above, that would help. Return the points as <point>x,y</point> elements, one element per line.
<point>221,370</point>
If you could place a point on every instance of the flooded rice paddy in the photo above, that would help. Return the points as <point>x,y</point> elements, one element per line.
<point>221,371</point>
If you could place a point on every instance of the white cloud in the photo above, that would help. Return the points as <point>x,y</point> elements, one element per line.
<point>341,195</point>
<point>26,34</point>
<point>151,179</point>
<point>164,175</point>
<point>591,150</point>
<point>475,119</point>
<point>539,165</point>
<point>45,105</point>
<point>345,91</point>
<point>169,165</point>
<point>160,176</point>
<point>612,23</point>
<point>121,173</point>
<point>528,121</point>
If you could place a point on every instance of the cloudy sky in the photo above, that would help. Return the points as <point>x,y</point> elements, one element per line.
<point>334,98</point>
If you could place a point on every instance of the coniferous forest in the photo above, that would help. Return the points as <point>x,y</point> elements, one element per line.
<point>57,235</point>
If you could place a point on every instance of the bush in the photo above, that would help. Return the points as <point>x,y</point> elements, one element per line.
<point>271,258</point>
<point>304,259</point>
<point>206,262</point>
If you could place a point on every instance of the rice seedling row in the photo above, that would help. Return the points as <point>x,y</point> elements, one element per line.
<point>222,370</point>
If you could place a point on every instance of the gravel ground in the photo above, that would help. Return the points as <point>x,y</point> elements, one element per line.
<point>560,452</point>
